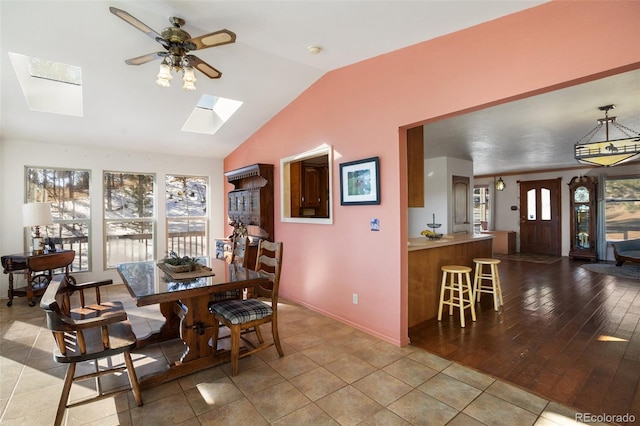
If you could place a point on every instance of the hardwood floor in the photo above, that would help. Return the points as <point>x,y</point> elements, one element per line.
<point>565,333</point>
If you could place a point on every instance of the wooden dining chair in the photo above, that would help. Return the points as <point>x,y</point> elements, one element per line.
<point>88,333</point>
<point>240,251</point>
<point>247,315</point>
<point>238,256</point>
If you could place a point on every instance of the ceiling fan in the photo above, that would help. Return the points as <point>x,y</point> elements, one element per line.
<point>177,43</point>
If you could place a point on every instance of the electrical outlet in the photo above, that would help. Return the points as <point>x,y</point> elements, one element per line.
<point>355,298</point>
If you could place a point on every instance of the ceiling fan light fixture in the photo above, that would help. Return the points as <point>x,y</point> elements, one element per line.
<point>177,43</point>
<point>189,78</point>
<point>608,152</point>
<point>164,75</point>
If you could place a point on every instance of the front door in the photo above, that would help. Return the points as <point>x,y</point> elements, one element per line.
<point>540,217</point>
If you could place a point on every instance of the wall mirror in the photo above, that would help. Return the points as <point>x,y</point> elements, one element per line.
<point>305,187</point>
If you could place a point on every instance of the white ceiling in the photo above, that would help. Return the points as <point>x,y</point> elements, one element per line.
<point>268,67</point>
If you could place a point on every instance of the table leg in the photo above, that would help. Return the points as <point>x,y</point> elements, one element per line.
<point>168,331</point>
<point>10,302</point>
<point>197,329</point>
<point>30,294</point>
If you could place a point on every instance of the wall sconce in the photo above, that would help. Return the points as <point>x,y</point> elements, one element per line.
<point>608,153</point>
<point>500,185</point>
<point>37,215</point>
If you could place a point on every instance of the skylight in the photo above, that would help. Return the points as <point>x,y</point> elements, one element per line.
<point>210,114</point>
<point>49,86</point>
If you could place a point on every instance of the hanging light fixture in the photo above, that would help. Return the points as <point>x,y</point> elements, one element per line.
<point>608,152</point>
<point>189,79</point>
<point>178,62</point>
<point>500,185</point>
<point>164,75</point>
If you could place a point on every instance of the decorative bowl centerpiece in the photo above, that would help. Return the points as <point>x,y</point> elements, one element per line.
<point>176,263</point>
<point>429,233</point>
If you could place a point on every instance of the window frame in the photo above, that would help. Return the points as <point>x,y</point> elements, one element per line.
<point>608,201</point>
<point>187,218</point>
<point>285,186</point>
<point>151,220</point>
<point>81,259</point>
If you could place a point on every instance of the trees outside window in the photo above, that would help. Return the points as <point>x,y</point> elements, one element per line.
<point>69,194</point>
<point>129,217</point>
<point>622,208</point>
<point>186,221</point>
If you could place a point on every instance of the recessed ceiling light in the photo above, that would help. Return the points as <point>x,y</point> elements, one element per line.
<point>314,50</point>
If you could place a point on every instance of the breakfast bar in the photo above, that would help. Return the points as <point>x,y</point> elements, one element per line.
<point>426,257</point>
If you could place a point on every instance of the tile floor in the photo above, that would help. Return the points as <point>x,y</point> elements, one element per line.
<point>332,374</point>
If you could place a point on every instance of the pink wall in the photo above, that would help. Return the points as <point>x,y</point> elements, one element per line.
<point>360,109</point>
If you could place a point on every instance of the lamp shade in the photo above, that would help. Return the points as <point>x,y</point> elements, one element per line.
<point>36,214</point>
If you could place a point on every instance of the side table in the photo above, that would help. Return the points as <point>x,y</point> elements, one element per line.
<point>38,269</point>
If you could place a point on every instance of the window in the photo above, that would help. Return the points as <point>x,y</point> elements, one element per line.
<point>622,208</point>
<point>128,217</point>
<point>68,192</point>
<point>481,208</point>
<point>187,215</point>
<point>305,187</point>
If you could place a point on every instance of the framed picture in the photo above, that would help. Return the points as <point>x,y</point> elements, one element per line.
<point>360,182</point>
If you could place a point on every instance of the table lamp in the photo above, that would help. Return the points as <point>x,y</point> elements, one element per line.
<point>37,215</point>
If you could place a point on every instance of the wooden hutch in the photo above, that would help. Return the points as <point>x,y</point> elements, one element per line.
<point>250,203</point>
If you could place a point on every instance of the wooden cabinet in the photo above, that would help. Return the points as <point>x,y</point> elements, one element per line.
<point>415,166</point>
<point>309,184</point>
<point>504,242</point>
<point>582,195</point>
<point>251,201</point>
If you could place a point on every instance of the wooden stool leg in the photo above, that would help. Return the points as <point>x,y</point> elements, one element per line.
<point>442,290</point>
<point>498,285</point>
<point>494,286</point>
<point>477,282</point>
<point>471,297</point>
<point>461,298</point>
<point>452,292</point>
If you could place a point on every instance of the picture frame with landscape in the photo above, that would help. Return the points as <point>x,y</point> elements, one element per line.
<point>360,182</point>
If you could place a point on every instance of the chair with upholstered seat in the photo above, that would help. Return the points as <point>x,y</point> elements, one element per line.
<point>241,316</point>
<point>238,256</point>
<point>88,333</point>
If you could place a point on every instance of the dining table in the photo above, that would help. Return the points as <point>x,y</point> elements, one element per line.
<point>184,304</point>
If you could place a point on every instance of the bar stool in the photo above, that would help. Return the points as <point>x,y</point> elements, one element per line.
<point>464,298</point>
<point>480,287</point>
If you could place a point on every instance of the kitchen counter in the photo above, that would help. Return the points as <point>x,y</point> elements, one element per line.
<point>422,243</point>
<point>426,257</point>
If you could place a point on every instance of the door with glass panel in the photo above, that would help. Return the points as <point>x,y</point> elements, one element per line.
<point>540,231</point>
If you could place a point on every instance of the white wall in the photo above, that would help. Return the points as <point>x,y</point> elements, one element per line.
<point>438,199</point>
<point>509,220</point>
<point>15,155</point>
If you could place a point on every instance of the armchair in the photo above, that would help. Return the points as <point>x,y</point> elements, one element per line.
<point>88,333</point>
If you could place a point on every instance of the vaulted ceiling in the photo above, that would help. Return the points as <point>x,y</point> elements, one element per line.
<point>267,67</point>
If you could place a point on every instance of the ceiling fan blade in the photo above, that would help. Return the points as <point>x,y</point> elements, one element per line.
<point>125,16</point>
<point>139,60</point>
<point>216,38</point>
<point>203,67</point>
